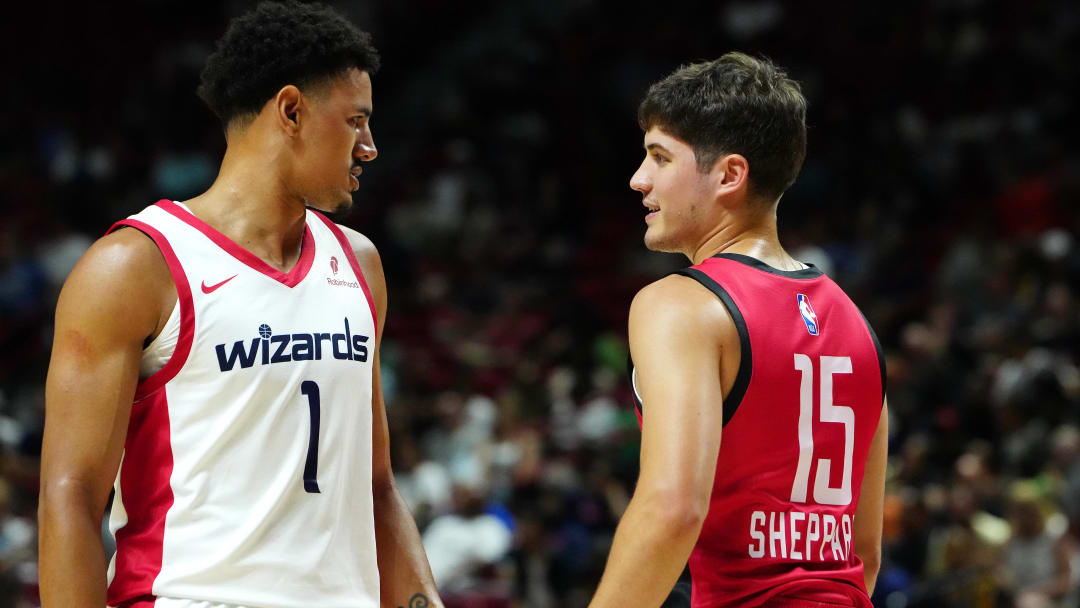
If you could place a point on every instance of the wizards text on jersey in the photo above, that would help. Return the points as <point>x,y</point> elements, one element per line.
<point>269,348</point>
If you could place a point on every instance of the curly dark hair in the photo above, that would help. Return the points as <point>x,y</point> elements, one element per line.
<point>277,44</point>
<point>736,104</point>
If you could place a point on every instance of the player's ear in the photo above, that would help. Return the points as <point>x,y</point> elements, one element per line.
<point>731,173</point>
<point>287,105</point>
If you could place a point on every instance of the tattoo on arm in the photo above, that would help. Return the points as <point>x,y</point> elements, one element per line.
<point>418,600</point>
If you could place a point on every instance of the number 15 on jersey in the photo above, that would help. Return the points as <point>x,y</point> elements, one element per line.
<point>829,412</point>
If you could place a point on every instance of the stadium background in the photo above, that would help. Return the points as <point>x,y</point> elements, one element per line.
<point>940,190</point>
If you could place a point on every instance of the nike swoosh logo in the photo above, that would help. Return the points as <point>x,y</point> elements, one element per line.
<point>211,288</point>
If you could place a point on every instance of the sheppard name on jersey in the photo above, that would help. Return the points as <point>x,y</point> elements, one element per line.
<point>799,535</point>
<point>283,348</point>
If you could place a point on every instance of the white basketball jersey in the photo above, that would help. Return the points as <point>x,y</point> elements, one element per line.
<point>246,475</point>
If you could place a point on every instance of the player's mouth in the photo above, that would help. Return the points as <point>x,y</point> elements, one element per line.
<point>652,210</point>
<point>354,175</point>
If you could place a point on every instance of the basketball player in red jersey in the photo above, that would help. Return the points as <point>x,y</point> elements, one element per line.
<point>760,386</point>
<point>293,523</point>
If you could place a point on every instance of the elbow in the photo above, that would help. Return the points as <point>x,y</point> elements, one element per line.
<point>383,487</point>
<point>65,494</point>
<point>679,513</point>
<point>67,502</point>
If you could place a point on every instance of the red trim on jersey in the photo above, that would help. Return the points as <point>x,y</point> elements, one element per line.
<point>147,498</point>
<point>288,279</point>
<point>351,256</point>
<point>187,311</point>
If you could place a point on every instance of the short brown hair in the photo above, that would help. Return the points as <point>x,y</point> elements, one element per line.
<point>736,104</point>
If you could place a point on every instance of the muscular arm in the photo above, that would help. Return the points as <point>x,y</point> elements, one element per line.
<point>404,572</point>
<point>109,305</point>
<point>868,513</point>
<point>676,332</point>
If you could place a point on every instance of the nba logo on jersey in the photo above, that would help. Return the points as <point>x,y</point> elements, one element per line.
<point>808,315</point>
<point>333,264</point>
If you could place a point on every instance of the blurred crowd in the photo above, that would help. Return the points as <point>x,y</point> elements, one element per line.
<point>941,190</point>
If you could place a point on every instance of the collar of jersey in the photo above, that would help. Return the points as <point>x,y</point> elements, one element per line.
<point>812,272</point>
<point>288,279</point>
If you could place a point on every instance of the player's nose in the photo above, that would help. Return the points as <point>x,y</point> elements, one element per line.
<point>640,182</point>
<point>365,146</point>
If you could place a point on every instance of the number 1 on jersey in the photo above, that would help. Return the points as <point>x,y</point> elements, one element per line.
<point>311,467</point>
<point>829,412</point>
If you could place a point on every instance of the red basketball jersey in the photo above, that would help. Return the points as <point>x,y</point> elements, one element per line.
<point>798,424</point>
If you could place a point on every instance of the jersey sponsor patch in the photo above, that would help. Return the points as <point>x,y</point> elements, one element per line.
<point>808,315</point>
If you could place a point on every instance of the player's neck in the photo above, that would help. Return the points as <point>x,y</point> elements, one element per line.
<point>248,205</point>
<point>755,237</point>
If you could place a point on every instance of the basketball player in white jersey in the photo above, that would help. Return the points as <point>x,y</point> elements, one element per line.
<point>216,363</point>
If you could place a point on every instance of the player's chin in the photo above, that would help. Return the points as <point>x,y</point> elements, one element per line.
<point>343,204</point>
<point>655,241</point>
<point>663,245</point>
<point>338,203</point>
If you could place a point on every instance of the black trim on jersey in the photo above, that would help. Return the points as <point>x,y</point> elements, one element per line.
<point>803,273</point>
<point>680,593</point>
<point>746,359</point>
<point>880,353</point>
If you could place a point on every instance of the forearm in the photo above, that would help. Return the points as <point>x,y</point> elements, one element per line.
<point>405,576</point>
<point>71,556</point>
<point>651,547</point>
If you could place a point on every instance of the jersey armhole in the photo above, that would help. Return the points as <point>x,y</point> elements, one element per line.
<point>633,384</point>
<point>880,353</point>
<point>746,358</point>
<point>157,380</point>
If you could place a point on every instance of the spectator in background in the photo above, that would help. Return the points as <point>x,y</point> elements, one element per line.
<point>1036,569</point>
<point>465,541</point>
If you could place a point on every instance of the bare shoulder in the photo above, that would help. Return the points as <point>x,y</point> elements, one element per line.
<point>361,245</point>
<point>677,299</point>
<point>121,277</point>
<point>366,252</point>
<point>126,257</point>
<point>370,264</point>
